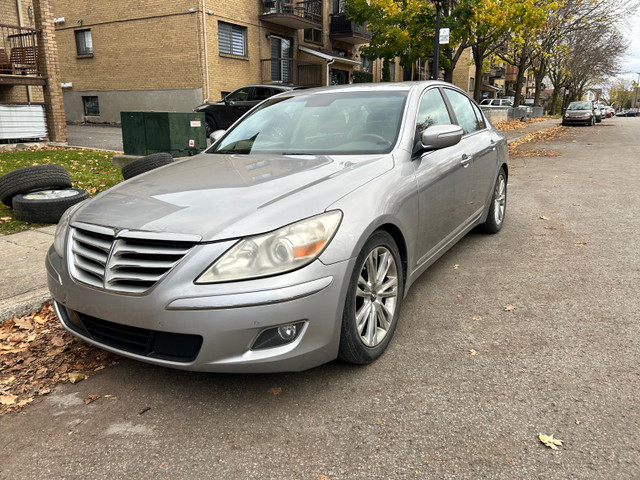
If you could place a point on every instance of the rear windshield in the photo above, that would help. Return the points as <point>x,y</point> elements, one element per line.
<point>328,123</point>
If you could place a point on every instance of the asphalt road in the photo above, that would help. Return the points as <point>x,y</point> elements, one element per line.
<point>565,361</point>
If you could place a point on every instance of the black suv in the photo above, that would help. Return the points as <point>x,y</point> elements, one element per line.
<point>220,115</point>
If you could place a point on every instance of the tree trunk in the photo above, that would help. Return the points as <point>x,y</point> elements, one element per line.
<point>520,80</point>
<point>478,58</point>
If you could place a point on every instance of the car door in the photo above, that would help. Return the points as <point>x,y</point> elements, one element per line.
<point>441,179</point>
<point>236,104</point>
<point>480,146</point>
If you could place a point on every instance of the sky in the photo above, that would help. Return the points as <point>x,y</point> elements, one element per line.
<point>631,62</point>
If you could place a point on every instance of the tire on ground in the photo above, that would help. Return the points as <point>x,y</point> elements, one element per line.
<point>370,298</point>
<point>145,164</point>
<point>32,178</point>
<point>46,206</point>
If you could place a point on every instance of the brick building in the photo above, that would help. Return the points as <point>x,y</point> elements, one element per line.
<point>30,95</point>
<point>172,56</point>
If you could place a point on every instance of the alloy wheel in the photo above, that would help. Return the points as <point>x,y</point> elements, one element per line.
<point>376,296</point>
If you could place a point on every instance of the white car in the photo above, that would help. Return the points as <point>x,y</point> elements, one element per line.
<point>496,102</point>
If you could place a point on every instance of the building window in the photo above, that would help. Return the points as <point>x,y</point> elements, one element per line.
<point>91,106</point>
<point>232,39</point>
<point>472,84</point>
<point>84,44</point>
<point>365,64</point>
<point>313,35</point>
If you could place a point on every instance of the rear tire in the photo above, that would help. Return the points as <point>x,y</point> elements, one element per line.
<point>146,164</point>
<point>46,206</point>
<point>32,178</point>
<point>498,208</point>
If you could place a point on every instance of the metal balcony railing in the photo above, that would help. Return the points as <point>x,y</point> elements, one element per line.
<point>341,26</point>
<point>18,50</point>
<point>309,10</point>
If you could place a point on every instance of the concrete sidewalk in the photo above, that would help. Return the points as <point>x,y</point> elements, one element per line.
<point>23,278</point>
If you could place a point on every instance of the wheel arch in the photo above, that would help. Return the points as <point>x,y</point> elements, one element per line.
<point>398,238</point>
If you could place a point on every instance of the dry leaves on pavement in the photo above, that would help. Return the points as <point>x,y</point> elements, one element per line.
<point>550,442</point>
<point>515,150</point>
<point>36,354</point>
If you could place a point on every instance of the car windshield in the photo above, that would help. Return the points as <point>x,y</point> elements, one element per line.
<point>331,122</point>
<point>579,106</point>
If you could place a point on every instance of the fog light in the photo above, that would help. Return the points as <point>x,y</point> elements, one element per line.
<point>278,336</point>
<point>288,332</point>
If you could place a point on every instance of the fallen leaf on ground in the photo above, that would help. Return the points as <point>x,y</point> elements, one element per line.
<point>275,391</point>
<point>580,244</point>
<point>32,363</point>
<point>472,352</point>
<point>544,218</point>
<point>549,441</point>
<point>75,377</point>
<point>509,308</point>
<point>477,319</point>
<point>456,266</point>
<point>8,399</point>
<point>91,398</point>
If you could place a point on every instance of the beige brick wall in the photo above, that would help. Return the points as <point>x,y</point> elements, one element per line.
<point>464,71</point>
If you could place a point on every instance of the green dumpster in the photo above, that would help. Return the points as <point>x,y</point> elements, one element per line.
<point>177,133</point>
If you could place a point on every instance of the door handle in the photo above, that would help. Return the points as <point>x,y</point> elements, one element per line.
<point>466,160</point>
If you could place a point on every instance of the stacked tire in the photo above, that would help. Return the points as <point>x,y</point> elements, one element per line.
<point>146,164</point>
<point>39,193</point>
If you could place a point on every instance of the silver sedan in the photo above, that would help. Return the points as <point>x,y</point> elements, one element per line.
<point>292,240</point>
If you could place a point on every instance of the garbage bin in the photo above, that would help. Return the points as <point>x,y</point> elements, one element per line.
<point>177,133</point>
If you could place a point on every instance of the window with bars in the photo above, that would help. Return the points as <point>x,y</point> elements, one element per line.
<point>232,39</point>
<point>84,44</point>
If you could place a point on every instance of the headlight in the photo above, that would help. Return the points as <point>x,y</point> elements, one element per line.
<point>277,252</point>
<point>61,230</point>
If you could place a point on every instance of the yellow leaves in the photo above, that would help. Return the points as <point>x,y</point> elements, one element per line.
<point>549,441</point>
<point>544,218</point>
<point>75,377</point>
<point>275,391</point>
<point>509,308</point>
<point>580,244</point>
<point>8,399</point>
<point>472,352</point>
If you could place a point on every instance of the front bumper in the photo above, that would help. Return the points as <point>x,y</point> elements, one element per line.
<point>576,120</point>
<point>209,327</point>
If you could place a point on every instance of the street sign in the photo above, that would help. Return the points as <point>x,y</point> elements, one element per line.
<point>444,36</point>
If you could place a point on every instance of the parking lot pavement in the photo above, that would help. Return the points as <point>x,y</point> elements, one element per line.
<point>533,330</point>
<point>104,137</point>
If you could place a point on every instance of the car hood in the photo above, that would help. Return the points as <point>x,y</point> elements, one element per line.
<point>219,197</point>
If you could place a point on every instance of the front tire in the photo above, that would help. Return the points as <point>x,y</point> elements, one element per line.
<point>373,301</point>
<point>498,208</point>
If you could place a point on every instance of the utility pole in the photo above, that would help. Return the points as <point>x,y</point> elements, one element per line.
<point>434,73</point>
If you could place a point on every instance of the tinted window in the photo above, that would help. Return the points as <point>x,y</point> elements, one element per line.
<point>240,95</point>
<point>261,93</point>
<point>479,117</point>
<point>432,110</point>
<point>463,111</point>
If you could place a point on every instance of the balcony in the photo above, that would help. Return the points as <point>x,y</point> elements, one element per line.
<point>19,56</point>
<point>295,15</point>
<point>291,71</point>
<point>497,72</point>
<point>346,31</point>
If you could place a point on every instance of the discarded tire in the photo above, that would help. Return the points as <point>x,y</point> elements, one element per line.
<point>145,164</point>
<point>29,179</point>
<point>46,206</point>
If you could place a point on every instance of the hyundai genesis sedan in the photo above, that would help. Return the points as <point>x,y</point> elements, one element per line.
<point>292,240</point>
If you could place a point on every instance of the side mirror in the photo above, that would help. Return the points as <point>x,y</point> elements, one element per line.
<point>216,135</point>
<point>229,101</point>
<point>437,137</point>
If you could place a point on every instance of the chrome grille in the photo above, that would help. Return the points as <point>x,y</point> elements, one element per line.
<point>127,261</point>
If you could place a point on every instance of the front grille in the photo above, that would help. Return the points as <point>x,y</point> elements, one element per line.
<point>176,347</point>
<point>128,262</point>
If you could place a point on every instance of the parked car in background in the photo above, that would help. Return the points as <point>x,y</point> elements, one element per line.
<point>496,102</point>
<point>610,112</point>
<point>221,115</point>
<point>291,240</point>
<point>598,112</point>
<point>581,112</point>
